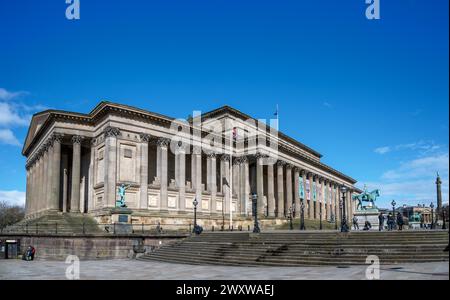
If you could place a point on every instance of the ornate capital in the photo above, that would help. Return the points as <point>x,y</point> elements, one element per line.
<point>145,137</point>
<point>211,155</point>
<point>93,142</point>
<point>56,138</point>
<point>225,157</point>
<point>163,142</point>
<point>196,150</point>
<point>281,163</point>
<point>110,131</point>
<point>76,139</point>
<point>289,166</point>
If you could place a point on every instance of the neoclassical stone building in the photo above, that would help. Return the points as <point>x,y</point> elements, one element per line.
<point>76,162</point>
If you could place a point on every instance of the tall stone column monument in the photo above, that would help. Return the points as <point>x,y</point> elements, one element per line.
<point>439,197</point>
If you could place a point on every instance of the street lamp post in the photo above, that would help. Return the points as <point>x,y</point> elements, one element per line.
<point>256,228</point>
<point>344,226</point>
<point>290,216</point>
<point>405,208</point>
<point>432,215</point>
<point>302,215</point>
<point>393,203</point>
<point>195,203</point>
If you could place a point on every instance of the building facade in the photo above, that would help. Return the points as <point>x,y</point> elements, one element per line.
<point>76,163</point>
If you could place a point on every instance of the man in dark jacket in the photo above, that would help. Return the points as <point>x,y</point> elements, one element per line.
<point>380,222</point>
<point>400,221</point>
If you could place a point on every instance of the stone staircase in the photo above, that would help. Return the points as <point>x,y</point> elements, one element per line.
<point>284,248</point>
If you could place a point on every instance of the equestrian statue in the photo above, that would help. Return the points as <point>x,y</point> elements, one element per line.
<point>366,196</point>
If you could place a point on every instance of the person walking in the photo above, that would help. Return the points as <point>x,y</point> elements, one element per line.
<point>390,222</point>
<point>355,223</point>
<point>380,222</point>
<point>400,221</point>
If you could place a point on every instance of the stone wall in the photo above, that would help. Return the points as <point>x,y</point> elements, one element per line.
<point>89,247</point>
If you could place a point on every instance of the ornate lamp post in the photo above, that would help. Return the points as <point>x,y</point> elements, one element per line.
<point>195,203</point>
<point>432,215</point>
<point>344,226</point>
<point>393,203</point>
<point>290,216</point>
<point>256,228</point>
<point>302,215</point>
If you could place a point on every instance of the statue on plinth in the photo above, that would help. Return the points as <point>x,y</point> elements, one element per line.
<point>122,190</point>
<point>366,196</point>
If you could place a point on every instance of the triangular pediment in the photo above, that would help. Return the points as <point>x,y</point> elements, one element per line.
<point>36,124</point>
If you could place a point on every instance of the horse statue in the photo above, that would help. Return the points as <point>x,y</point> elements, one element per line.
<point>366,196</point>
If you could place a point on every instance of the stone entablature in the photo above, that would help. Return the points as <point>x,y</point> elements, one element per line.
<point>75,162</point>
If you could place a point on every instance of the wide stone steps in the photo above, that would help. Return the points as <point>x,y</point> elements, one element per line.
<point>307,248</point>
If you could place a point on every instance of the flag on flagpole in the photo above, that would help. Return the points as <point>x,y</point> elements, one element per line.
<point>276,112</point>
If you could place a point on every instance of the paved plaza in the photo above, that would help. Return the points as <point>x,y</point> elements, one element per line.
<point>138,270</point>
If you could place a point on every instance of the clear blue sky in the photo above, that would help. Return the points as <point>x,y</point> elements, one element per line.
<point>370,95</point>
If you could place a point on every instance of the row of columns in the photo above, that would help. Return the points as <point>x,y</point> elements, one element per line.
<point>43,174</point>
<point>43,180</point>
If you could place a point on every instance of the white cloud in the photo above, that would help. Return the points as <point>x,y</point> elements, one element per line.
<point>8,137</point>
<point>13,197</point>
<point>413,181</point>
<point>9,116</point>
<point>383,150</point>
<point>7,95</point>
<point>420,167</point>
<point>422,147</point>
<point>327,104</point>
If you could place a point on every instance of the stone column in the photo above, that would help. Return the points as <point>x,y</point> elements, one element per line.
<point>56,165</point>
<point>158,163</point>
<point>27,192</point>
<point>350,204</point>
<point>311,194</point>
<point>65,187</point>
<point>246,186</point>
<point>110,158</point>
<point>181,179</point>
<point>260,183</point>
<point>338,203</point>
<point>143,202</point>
<point>280,189</point>
<point>212,184</point>
<point>296,191</point>
<point>226,203</point>
<point>76,171</point>
<point>197,166</point>
<point>91,176</point>
<point>45,201</point>
<point>163,144</point>
<point>49,173</point>
<point>41,202</point>
<point>270,191</point>
<point>317,202</point>
<point>236,179</point>
<point>289,202</point>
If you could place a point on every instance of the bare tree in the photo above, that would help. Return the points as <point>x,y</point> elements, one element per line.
<point>10,214</point>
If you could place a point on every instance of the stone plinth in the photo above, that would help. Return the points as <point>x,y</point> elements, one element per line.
<point>370,215</point>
